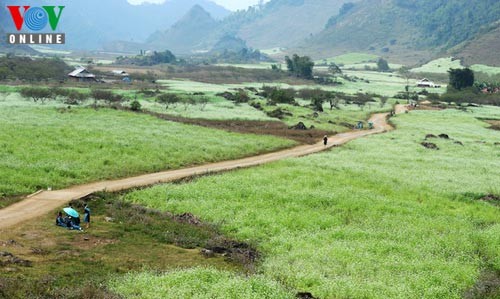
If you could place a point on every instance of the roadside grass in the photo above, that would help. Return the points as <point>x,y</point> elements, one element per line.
<point>381,217</point>
<point>56,147</point>
<point>73,264</point>
<point>336,120</point>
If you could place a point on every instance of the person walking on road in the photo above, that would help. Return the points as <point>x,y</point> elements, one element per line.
<point>86,215</point>
<point>325,140</point>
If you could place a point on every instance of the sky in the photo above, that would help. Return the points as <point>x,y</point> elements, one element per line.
<point>229,4</point>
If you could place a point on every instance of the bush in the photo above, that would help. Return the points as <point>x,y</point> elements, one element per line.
<point>135,105</point>
<point>36,93</point>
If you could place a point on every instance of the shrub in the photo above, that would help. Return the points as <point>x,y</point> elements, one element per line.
<point>135,105</point>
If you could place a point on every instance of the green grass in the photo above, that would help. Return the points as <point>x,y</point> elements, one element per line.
<point>43,146</point>
<point>440,65</point>
<point>381,217</point>
<point>200,283</point>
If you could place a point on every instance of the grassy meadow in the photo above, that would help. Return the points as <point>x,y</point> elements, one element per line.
<point>46,146</point>
<point>381,217</point>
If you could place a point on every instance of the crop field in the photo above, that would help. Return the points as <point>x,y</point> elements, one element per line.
<point>54,147</point>
<point>381,217</point>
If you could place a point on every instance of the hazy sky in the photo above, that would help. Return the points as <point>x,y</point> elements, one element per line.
<point>229,4</point>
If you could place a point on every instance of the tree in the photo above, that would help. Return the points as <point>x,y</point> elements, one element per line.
<point>382,65</point>
<point>406,74</point>
<point>334,70</point>
<point>461,78</point>
<point>301,67</point>
<point>383,101</point>
<point>168,99</point>
<point>36,93</point>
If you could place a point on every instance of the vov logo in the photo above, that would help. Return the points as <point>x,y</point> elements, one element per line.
<point>36,19</point>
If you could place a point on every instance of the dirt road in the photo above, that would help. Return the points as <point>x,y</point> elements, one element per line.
<point>47,201</point>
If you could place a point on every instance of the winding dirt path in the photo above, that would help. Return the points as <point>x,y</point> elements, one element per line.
<point>44,202</point>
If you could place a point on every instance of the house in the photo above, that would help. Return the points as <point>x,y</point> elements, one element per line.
<point>81,74</point>
<point>426,83</point>
<point>119,73</point>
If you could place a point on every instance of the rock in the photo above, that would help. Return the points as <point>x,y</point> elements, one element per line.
<point>300,126</point>
<point>430,145</point>
<point>430,136</point>
<point>5,253</point>
<point>109,219</point>
<point>207,253</point>
<point>38,251</point>
<point>444,136</point>
<point>86,238</point>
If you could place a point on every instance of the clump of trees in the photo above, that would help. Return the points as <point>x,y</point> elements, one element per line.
<point>154,58</point>
<point>461,78</point>
<point>383,65</point>
<point>33,70</point>
<point>172,100</point>
<point>300,66</point>
<point>277,95</point>
<point>43,94</point>
<point>463,89</point>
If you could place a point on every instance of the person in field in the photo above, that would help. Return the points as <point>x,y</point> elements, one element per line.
<point>325,140</point>
<point>60,220</point>
<point>86,216</point>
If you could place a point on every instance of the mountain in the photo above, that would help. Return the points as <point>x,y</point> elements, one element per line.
<point>189,34</point>
<point>405,30</point>
<point>479,50</point>
<point>282,23</point>
<point>278,23</point>
<point>90,24</point>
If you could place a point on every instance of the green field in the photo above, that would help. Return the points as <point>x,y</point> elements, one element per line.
<point>440,65</point>
<point>490,70</point>
<point>381,217</point>
<point>44,146</point>
<point>349,58</point>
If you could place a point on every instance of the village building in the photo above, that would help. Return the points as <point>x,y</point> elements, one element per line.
<point>119,73</point>
<point>81,74</point>
<point>425,83</point>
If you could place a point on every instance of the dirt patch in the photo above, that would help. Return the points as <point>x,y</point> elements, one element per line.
<point>491,198</point>
<point>488,286</point>
<point>495,124</point>
<point>274,128</point>
<point>430,145</point>
<point>238,252</point>
<point>187,218</point>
